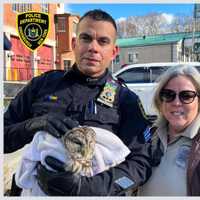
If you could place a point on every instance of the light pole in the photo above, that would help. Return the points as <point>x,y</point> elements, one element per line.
<point>195,45</point>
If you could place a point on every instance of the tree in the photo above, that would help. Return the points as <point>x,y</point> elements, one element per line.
<point>154,23</point>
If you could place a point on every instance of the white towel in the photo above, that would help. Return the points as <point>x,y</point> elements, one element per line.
<point>109,151</point>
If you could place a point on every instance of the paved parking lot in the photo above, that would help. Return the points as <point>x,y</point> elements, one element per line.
<point>10,163</point>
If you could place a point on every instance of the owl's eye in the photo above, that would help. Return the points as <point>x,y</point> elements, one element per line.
<point>76,141</point>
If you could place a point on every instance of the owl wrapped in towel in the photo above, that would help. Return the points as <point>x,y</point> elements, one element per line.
<point>80,143</point>
<point>85,151</point>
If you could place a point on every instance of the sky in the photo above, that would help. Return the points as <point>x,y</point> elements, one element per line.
<point>122,11</point>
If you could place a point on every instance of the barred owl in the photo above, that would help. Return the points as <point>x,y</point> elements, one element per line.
<point>80,143</point>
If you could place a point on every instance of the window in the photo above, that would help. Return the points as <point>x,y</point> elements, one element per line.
<point>116,60</point>
<point>135,57</point>
<point>130,57</point>
<point>16,7</point>
<point>155,72</point>
<point>45,7</point>
<point>67,64</point>
<point>136,75</point>
<point>60,26</point>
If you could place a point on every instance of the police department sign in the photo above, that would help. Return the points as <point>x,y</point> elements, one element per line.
<point>33,28</point>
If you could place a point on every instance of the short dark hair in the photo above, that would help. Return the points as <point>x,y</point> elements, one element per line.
<point>99,15</point>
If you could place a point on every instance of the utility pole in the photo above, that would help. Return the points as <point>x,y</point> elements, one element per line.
<point>195,44</point>
<point>193,30</point>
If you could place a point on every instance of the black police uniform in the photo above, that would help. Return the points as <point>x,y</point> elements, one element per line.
<point>75,95</point>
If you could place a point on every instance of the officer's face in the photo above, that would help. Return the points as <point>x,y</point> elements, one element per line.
<point>94,46</point>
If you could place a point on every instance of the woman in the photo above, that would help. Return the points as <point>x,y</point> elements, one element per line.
<point>176,136</point>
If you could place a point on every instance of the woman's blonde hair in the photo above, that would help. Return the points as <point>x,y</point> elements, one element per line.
<point>179,70</point>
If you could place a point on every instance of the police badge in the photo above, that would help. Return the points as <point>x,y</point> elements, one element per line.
<point>33,28</point>
<point>183,156</point>
<point>108,94</point>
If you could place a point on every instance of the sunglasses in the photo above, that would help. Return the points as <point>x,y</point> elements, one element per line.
<point>185,96</point>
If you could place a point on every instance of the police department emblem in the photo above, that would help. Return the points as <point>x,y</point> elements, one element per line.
<point>33,28</point>
<point>108,94</point>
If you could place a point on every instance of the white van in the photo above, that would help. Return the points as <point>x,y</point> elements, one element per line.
<point>140,78</point>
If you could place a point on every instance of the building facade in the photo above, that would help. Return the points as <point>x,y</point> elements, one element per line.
<point>20,63</point>
<point>173,47</point>
<point>65,28</point>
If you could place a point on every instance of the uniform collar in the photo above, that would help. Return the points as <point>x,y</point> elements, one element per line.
<point>75,74</point>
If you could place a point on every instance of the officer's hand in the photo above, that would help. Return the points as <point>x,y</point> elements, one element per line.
<point>54,123</point>
<point>61,183</point>
<point>55,164</point>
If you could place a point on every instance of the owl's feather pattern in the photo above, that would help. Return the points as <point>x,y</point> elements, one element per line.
<point>80,143</point>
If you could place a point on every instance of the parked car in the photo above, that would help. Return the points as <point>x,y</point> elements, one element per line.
<point>140,78</point>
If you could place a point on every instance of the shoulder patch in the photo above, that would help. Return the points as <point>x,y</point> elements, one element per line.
<point>147,134</point>
<point>108,94</point>
<point>124,182</point>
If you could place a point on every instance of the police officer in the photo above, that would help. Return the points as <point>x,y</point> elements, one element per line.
<point>87,95</point>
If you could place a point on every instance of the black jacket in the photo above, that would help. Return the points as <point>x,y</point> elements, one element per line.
<point>71,93</point>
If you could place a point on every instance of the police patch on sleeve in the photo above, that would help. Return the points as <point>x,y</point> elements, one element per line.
<point>147,134</point>
<point>124,182</point>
